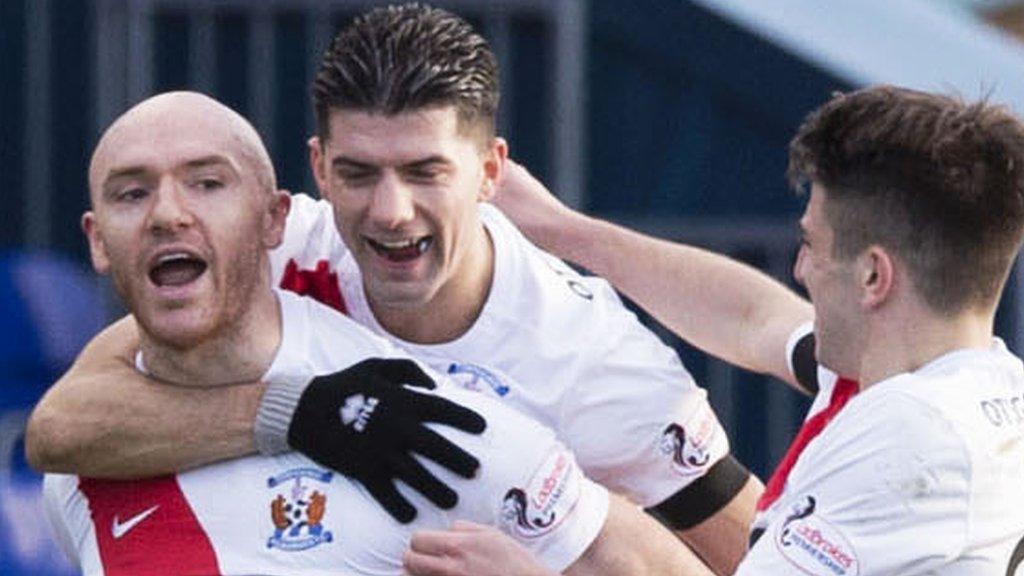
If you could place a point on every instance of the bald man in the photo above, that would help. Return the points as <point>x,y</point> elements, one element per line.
<point>184,209</point>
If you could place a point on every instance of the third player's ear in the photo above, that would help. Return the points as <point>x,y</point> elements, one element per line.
<point>876,276</point>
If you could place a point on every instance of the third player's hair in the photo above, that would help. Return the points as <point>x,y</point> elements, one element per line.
<point>404,58</point>
<point>937,181</point>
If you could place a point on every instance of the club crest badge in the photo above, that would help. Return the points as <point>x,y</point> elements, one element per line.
<point>297,509</point>
<point>473,377</point>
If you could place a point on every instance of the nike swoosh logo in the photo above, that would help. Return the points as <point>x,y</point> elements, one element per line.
<point>119,529</point>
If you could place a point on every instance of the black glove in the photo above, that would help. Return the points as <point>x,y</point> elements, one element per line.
<point>365,423</point>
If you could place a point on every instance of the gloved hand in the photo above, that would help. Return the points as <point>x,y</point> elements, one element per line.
<point>366,421</point>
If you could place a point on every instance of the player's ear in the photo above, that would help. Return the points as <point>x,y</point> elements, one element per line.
<point>876,276</point>
<point>97,248</point>
<point>317,162</point>
<point>275,217</point>
<point>494,159</point>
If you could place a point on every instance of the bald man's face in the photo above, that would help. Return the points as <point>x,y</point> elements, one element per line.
<point>180,221</point>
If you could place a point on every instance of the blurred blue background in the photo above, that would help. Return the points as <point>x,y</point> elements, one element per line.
<point>671,116</point>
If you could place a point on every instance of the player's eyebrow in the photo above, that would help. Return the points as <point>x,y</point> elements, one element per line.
<point>339,161</point>
<point>435,159</point>
<point>346,161</point>
<point>126,172</point>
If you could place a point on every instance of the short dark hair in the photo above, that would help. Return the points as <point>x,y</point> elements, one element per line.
<point>936,180</point>
<point>408,57</point>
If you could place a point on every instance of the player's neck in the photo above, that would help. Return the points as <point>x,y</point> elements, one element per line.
<point>898,347</point>
<point>455,307</point>
<point>240,353</point>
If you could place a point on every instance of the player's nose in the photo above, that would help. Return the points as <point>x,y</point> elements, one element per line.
<point>392,203</point>
<point>798,267</point>
<point>170,210</point>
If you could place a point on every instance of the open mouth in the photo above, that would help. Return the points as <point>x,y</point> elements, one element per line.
<point>176,269</point>
<point>401,250</point>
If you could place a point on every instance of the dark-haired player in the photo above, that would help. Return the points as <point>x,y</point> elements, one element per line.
<point>913,461</point>
<point>916,215</point>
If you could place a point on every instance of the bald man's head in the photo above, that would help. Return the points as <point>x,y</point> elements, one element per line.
<point>181,119</point>
<point>185,208</point>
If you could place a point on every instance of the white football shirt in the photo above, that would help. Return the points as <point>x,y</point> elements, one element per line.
<point>922,473</point>
<point>553,344</point>
<point>287,515</point>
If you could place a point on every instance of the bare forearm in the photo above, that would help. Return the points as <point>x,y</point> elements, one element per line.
<point>631,542</point>
<point>138,429</point>
<point>104,419</point>
<point>722,306</point>
<point>721,540</point>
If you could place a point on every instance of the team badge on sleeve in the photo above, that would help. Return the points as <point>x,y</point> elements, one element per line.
<point>689,446</point>
<point>548,499</point>
<point>813,545</point>
<point>297,511</point>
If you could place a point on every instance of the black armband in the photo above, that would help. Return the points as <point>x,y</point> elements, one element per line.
<point>805,365</point>
<point>704,497</point>
<point>755,535</point>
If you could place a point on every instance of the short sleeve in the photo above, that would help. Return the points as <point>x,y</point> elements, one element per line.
<point>638,422</point>
<point>558,512</point>
<point>883,491</point>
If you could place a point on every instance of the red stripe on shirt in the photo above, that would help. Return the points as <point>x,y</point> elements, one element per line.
<point>841,393</point>
<point>147,528</point>
<point>320,283</point>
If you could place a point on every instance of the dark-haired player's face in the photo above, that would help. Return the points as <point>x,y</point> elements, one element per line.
<point>405,190</point>
<point>832,287</point>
